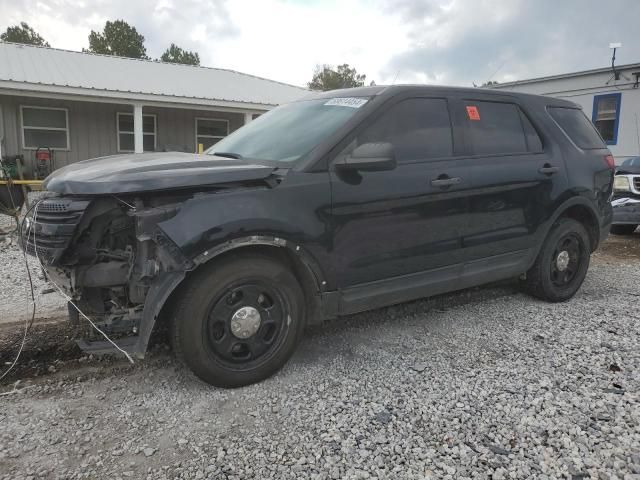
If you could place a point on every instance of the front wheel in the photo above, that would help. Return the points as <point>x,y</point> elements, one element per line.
<point>562,263</point>
<point>238,320</point>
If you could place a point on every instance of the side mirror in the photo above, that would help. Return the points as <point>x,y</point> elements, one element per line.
<point>369,157</point>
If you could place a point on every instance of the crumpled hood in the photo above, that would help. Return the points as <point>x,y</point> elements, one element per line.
<point>144,172</point>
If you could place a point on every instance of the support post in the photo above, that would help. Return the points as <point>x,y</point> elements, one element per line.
<point>137,128</point>
<point>248,117</point>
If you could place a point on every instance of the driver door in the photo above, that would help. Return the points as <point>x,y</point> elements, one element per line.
<point>395,230</point>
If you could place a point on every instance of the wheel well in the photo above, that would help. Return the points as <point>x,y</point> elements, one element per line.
<point>284,255</point>
<point>586,217</point>
<point>300,270</point>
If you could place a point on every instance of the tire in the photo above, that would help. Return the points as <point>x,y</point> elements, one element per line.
<point>238,320</point>
<point>562,263</point>
<point>623,229</point>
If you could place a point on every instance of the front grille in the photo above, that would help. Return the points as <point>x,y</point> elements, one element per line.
<point>55,222</point>
<point>636,183</point>
<point>53,205</point>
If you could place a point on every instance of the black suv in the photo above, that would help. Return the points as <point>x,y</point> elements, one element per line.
<point>342,202</point>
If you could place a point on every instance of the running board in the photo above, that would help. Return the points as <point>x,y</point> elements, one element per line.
<point>103,347</point>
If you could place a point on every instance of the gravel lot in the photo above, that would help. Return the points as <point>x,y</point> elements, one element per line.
<point>485,383</point>
<point>15,296</point>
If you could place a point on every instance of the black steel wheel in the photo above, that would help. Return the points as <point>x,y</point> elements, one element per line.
<point>247,321</point>
<point>562,263</point>
<point>238,320</point>
<point>565,260</point>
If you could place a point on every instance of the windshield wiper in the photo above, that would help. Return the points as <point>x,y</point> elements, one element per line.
<point>237,156</point>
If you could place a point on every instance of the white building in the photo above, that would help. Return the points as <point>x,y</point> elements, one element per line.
<point>613,104</point>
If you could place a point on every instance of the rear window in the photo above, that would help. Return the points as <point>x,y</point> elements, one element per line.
<point>578,127</point>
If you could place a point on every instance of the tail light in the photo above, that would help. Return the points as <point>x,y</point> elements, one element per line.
<point>610,161</point>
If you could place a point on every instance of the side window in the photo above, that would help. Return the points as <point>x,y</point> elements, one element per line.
<point>418,128</point>
<point>497,128</point>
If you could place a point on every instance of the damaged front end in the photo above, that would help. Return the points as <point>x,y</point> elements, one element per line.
<point>109,256</point>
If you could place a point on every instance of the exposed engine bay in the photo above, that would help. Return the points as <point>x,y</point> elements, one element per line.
<point>105,253</point>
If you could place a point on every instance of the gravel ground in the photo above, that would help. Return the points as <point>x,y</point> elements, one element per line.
<point>15,294</point>
<point>485,383</point>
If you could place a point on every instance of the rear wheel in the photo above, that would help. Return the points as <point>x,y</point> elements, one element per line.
<point>623,229</point>
<point>562,263</point>
<point>238,321</point>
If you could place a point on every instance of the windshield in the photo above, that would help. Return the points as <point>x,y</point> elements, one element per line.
<point>631,162</point>
<point>290,131</point>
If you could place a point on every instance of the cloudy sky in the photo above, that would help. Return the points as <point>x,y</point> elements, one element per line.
<point>456,42</point>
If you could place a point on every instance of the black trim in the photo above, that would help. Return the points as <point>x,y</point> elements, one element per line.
<point>387,292</point>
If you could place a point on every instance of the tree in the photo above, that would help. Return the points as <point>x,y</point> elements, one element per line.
<point>118,38</point>
<point>175,54</point>
<point>23,33</point>
<point>325,77</point>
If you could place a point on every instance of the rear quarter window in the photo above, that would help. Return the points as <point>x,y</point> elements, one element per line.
<point>577,127</point>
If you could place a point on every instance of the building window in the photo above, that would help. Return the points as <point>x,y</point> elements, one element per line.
<point>126,142</point>
<point>45,127</point>
<point>606,116</point>
<point>209,131</point>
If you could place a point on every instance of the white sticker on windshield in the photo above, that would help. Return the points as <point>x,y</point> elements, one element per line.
<point>353,102</point>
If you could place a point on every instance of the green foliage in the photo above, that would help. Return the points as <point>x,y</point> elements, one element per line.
<point>175,54</point>
<point>23,33</point>
<point>118,38</point>
<point>325,77</point>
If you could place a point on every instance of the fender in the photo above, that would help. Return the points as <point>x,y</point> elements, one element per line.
<point>156,298</point>
<point>559,211</point>
<point>296,250</point>
<point>168,282</point>
<point>296,218</point>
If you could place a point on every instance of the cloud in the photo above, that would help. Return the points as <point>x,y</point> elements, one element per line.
<point>192,24</point>
<point>465,41</point>
<point>433,41</point>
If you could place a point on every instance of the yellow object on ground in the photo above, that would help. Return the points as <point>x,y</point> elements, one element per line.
<point>32,183</point>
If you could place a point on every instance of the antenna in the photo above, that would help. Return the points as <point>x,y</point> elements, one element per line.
<point>494,73</point>
<point>614,46</point>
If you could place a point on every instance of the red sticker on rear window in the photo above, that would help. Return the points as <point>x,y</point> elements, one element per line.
<point>473,113</point>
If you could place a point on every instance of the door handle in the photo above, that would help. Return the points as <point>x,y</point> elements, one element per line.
<point>445,181</point>
<point>548,169</point>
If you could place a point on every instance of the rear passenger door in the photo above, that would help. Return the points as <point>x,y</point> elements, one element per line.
<point>516,177</point>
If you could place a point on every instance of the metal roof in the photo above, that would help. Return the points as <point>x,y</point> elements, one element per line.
<point>629,66</point>
<point>32,68</point>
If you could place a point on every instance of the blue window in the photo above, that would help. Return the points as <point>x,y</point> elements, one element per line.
<point>606,116</point>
